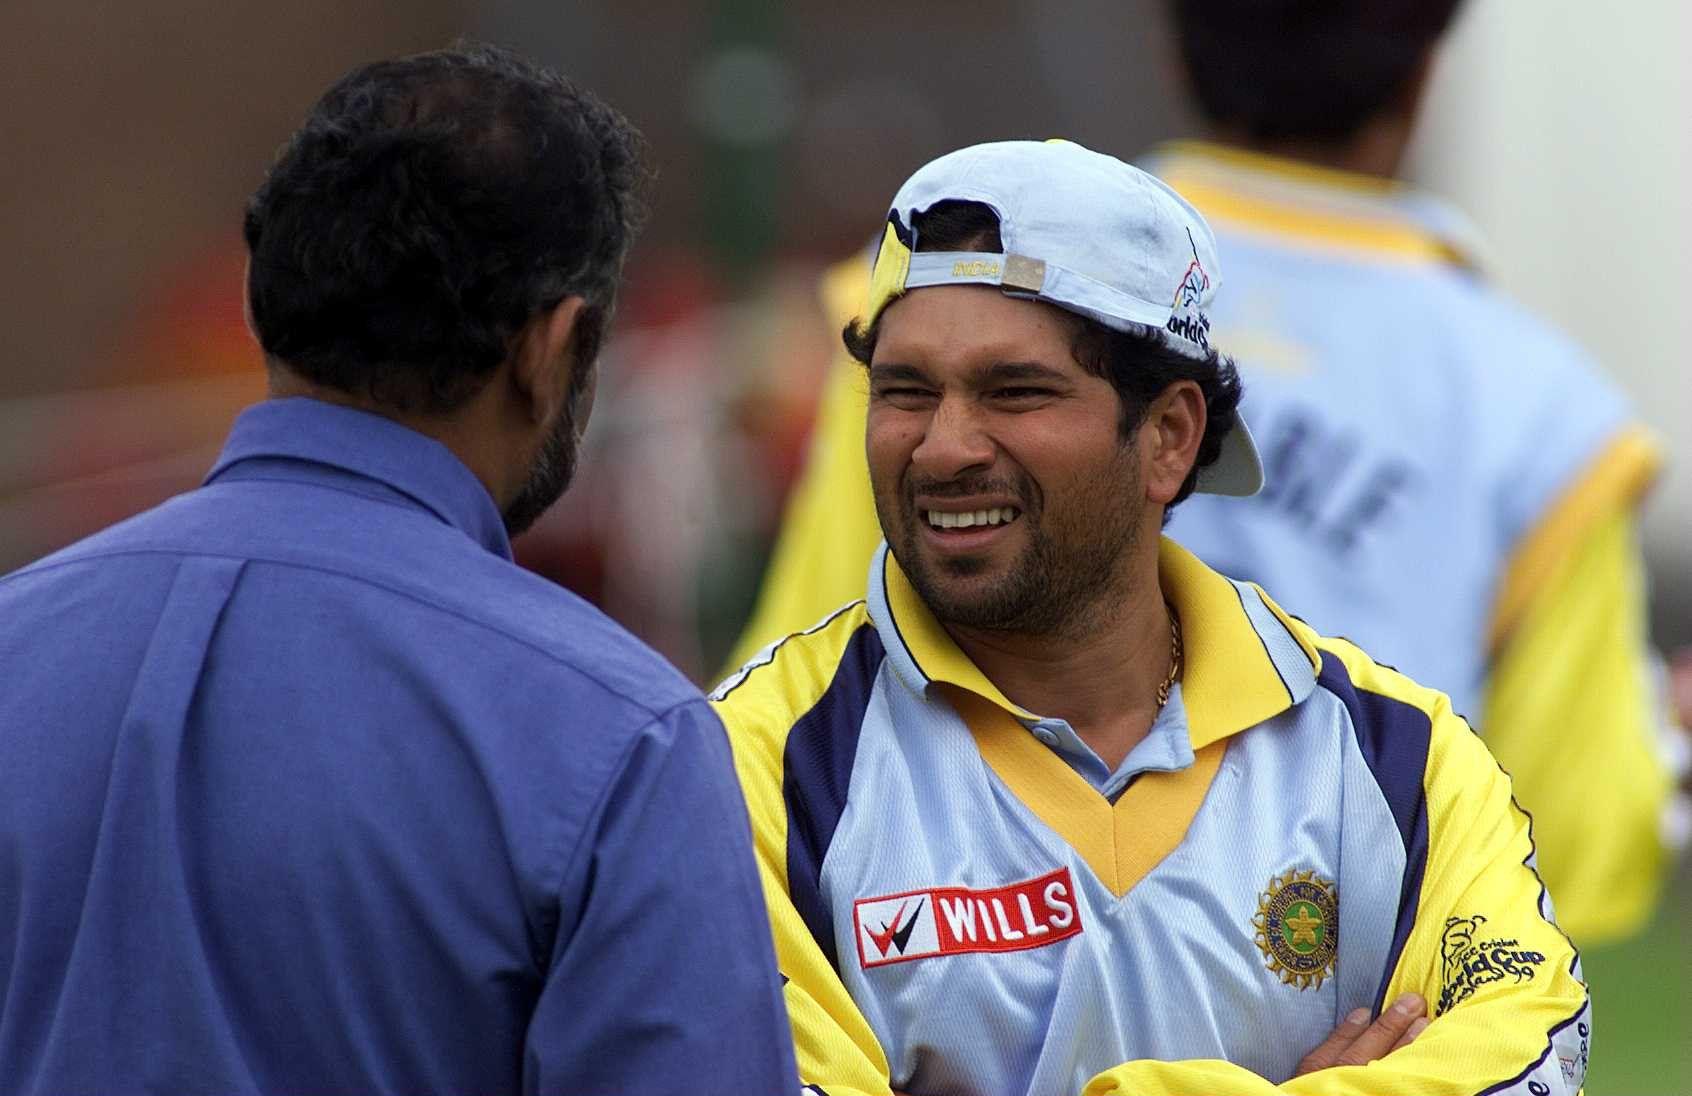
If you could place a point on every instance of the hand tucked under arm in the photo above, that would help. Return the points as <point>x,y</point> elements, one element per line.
<point>1357,1042</point>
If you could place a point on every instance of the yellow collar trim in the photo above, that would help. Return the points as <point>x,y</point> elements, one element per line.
<point>1297,171</point>
<point>935,653</point>
<point>1228,681</point>
<point>1219,182</point>
<point>1120,842</point>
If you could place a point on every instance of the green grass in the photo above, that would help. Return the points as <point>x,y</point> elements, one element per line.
<point>1642,1005</point>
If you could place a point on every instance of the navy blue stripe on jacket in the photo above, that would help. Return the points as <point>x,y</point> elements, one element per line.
<point>1393,737</point>
<point>816,769</point>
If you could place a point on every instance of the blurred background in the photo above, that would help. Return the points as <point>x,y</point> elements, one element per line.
<point>135,132</point>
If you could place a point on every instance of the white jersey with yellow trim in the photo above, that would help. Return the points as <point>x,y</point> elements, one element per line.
<point>957,910</point>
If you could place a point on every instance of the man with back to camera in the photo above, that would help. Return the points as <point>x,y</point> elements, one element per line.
<point>304,785</point>
<point>1058,808</point>
<point>1449,482</point>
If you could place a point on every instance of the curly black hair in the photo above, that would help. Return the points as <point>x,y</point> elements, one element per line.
<point>428,208</point>
<point>1304,70</point>
<point>1138,366</point>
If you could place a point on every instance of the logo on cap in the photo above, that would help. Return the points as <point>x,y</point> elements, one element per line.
<point>1186,317</point>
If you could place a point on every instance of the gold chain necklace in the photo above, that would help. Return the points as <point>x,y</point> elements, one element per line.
<point>1174,660</point>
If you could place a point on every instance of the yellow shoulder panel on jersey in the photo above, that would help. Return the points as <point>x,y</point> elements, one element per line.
<point>1612,482</point>
<point>767,695</point>
<point>1370,676</point>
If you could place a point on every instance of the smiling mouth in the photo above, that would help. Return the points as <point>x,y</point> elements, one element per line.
<point>971,519</point>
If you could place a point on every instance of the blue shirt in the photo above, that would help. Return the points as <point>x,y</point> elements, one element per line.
<point>306,788</point>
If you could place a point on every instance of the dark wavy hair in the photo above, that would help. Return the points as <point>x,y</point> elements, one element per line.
<point>428,208</point>
<point>1138,366</point>
<point>1304,70</point>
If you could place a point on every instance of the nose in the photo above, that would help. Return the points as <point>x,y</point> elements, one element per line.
<point>955,441</point>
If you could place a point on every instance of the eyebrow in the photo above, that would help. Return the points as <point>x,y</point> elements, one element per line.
<point>997,373</point>
<point>896,372</point>
<point>1020,371</point>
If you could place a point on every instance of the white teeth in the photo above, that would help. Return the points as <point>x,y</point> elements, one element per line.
<point>944,519</point>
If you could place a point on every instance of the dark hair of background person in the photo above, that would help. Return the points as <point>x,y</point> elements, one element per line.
<point>428,208</point>
<point>1304,70</point>
<point>1138,366</point>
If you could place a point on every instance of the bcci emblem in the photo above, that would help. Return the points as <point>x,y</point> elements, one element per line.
<point>1298,928</point>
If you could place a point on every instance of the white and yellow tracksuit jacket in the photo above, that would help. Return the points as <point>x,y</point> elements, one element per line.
<point>956,910</point>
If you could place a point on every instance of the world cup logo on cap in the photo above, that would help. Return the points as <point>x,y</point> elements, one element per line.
<point>1186,316</point>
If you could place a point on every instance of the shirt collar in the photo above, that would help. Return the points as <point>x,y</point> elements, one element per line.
<point>1244,660</point>
<point>314,437</point>
<point>1255,192</point>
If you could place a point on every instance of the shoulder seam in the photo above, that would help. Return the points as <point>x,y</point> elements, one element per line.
<point>1414,694</point>
<point>744,673</point>
<point>408,595</point>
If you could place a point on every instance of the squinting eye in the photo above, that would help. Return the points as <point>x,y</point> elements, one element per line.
<point>898,393</point>
<point>1022,393</point>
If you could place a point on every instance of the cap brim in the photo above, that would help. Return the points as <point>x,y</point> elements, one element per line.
<point>1238,470</point>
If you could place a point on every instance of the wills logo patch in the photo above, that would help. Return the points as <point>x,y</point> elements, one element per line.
<point>1467,962</point>
<point>1297,926</point>
<point>953,920</point>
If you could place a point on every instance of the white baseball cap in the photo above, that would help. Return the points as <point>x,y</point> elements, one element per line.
<point>1082,231</point>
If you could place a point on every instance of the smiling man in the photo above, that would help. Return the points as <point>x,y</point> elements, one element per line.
<point>1056,807</point>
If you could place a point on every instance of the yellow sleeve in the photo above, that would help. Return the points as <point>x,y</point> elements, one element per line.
<point>829,530</point>
<point>1571,713</point>
<point>1512,1015</point>
<point>831,1040</point>
<point>834,1045</point>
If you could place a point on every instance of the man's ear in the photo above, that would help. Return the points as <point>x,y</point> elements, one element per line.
<point>541,364</point>
<point>1169,439</point>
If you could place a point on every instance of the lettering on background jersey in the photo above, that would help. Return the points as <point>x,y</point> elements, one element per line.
<point>1325,479</point>
<point>921,924</point>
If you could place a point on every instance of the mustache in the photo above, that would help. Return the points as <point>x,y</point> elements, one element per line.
<point>965,487</point>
